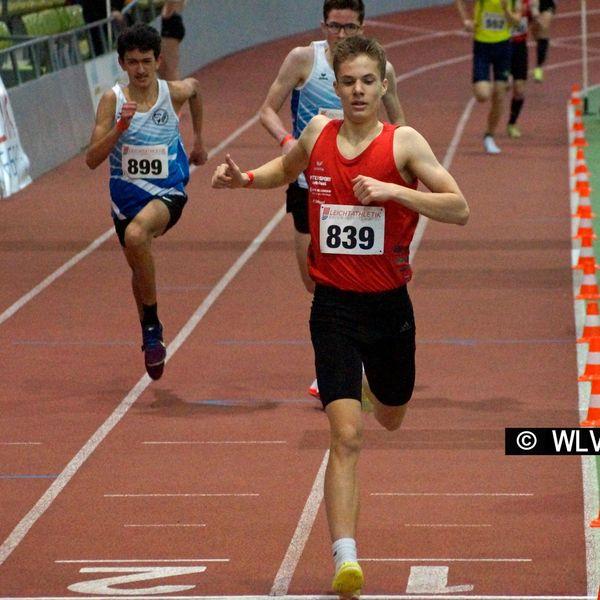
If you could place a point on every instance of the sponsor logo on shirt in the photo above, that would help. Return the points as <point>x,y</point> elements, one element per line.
<point>160,116</point>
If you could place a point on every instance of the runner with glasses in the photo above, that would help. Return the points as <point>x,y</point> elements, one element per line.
<point>306,75</point>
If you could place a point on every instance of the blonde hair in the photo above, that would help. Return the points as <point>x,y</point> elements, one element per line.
<point>353,46</point>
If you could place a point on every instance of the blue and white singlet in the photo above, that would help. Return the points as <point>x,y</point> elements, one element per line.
<point>149,160</point>
<point>315,96</point>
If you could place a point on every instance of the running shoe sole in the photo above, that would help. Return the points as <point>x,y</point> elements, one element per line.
<point>348,580</point>
<point>155,353</point>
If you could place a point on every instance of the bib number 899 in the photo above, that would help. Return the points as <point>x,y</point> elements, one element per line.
<point>144,166</point>
<point>350,237</point>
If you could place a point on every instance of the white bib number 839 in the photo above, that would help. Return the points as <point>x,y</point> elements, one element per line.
<point>347,229</point>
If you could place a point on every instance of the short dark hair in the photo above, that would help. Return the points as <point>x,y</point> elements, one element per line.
<point>141,37</point>
<point>353,46</point>
<point>355,5</point>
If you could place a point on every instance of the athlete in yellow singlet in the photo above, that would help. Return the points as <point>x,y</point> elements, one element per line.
<point>491,26</point>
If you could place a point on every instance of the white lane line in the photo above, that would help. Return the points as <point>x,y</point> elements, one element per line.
<point>103,561</point>
<point>447,525</point>
<point>215,442</point>
<point>20,443</point>
<point>484,494</point>
<point>164,525</point>
<point>40,287</point>
<point>287,568</point>
<point>319,597</point>
<point>184,495</point>
<point>446,559</point>
<point>446,162</point>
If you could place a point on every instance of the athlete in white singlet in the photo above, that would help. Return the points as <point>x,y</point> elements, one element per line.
<point>137,126</point>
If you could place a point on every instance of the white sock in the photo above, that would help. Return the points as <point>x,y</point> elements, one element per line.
<point>343,550</point>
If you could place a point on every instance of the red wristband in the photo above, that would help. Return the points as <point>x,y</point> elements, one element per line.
<point>122,125</point>
<point>286,139</point>
<point>250,178</point>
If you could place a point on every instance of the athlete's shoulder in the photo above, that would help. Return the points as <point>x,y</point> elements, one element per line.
<point>408,137</point>
<point>108,99</point>
<point>318,122</point>
<point>183,89</point>
<point>313,130</point>
<point>300,57</point>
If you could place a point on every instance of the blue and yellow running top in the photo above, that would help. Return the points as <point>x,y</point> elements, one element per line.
<point>491,24</point>
<point>315,96</point>
<point>149,160</point>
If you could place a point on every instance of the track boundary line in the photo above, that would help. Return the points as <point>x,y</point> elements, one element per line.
<point>311,597</point>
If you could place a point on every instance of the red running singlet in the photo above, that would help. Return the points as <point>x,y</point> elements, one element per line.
<point>355,247</point>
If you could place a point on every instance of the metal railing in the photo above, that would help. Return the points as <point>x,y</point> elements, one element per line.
<point>30,57</point>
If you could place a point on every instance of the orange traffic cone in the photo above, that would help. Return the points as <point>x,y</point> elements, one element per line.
<point>575,94</point>
<point>585,229</point>
<point>584,206</point>
<point>580,164</point>
<point>593,413</point>
<point>577,120</point>
<point>589,285</point>
<point>592,373</point>
<point>579,140</point>
<point>596,523</point>
<point>586,254</point>
<point>582,182</point>
<point>591,326</point>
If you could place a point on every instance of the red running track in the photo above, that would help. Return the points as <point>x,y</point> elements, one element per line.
<point>206,483</point>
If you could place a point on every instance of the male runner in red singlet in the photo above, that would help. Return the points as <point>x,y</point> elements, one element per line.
<point>363,210</point>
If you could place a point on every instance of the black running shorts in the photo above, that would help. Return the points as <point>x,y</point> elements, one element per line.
<point>519,61</point>
<point>173,27</point>
<point>547,5</point>
<point>174,203</point>
<point>297,204</point>
<point>375,330</point>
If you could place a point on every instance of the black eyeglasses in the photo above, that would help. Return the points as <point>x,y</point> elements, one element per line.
<point>349,28</point>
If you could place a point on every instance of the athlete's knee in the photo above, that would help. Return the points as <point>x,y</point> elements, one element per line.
<point>136,236</point>
<point>482,91</point>
<point>347,438</point>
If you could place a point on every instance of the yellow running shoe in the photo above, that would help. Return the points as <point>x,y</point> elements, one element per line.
<point>538,74</point>
<point>365,400</point>
<point>513,131</point>
<point>348,580</point>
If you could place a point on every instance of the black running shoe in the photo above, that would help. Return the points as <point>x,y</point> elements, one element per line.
<point>154,349</point>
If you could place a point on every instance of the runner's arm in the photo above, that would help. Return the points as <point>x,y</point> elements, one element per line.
<point>188,90</point>
<point>391,102</point>
<point>277,172</point>
<point>290,76</point>
<point>512,10</point>
<point>106,132</point>
<point>443,202</point>
<point>466,19</point>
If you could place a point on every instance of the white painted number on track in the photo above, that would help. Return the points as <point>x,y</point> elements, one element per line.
<point>105,585</point>
<point>432,580</point>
